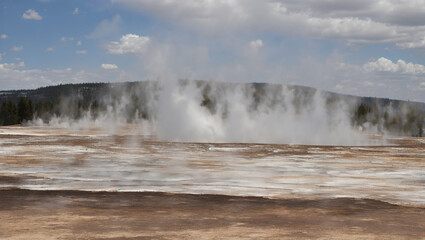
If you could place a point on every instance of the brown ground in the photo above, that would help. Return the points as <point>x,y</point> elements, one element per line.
<point>26,214</point>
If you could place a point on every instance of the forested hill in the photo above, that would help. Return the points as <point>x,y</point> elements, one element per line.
<point>76,100</point>
<point>87,92</point>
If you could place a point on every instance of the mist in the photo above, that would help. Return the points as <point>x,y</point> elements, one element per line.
<point>226,106</point>
<point>208,111</point>
<point>212,112</point>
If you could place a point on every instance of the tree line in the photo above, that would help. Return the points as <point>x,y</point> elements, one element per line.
<point>403,120</point>
<point>400,119</point>
<point>25,110</point>
<point>11,113</point>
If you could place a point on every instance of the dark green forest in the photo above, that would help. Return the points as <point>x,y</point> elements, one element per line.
<point>74,100</point>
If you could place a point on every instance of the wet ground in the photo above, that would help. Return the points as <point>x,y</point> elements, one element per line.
<point>92,183</point>
<point>122,215</point>
<point>41,158</point>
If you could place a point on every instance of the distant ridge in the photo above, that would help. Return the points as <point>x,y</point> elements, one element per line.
<point>133,101</point>
<point>90,91</point>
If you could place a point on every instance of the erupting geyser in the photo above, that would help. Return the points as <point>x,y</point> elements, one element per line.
<point>200,111</point>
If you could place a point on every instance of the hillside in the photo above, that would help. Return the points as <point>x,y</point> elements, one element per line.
<point>87,92</point>
<point>136,100</point>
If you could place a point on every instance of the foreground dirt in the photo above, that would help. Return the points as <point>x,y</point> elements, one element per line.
<point>29,214</point>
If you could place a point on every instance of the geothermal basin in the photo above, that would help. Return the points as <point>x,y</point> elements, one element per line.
<point>71,175</point>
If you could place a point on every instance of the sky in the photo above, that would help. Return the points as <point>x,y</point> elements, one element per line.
<point>365,48</point>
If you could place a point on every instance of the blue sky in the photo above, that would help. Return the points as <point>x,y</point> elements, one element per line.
<point>366,48</point>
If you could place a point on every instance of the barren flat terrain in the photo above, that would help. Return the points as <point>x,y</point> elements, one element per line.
<point>122,215</point>
<point>93,183</point>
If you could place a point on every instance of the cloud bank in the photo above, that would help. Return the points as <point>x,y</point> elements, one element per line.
<point>383,21</point>
<point>386,65</point>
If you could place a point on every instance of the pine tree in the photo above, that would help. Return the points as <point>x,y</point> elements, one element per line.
<point>22,110</point>
<point>8,113</point>
<point>30,110</point>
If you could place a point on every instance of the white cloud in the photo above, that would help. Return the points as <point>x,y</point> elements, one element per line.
<point>17,48</point>
<point>64,39</point>
<point>415,44</point>
<point>129,44</point>
<point>360,80</point>
<point>107,28</point>
<point>79,43</point>
<point>386,65</point>
<point>50,49</point>
<point>256,43</point>
<point>10,66</point>
<point>393,21</point>
<point>3,36</point>
<point>31,14</point>
<point>76,11</point>
<point>108,66</point>
<point>81,52</point>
